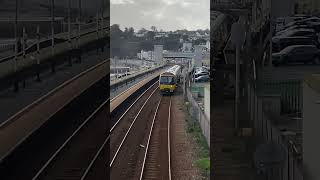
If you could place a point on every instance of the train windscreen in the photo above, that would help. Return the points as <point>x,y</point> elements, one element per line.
<point>167,80</point>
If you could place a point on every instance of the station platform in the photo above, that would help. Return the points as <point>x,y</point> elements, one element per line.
<point>22,124</point>
<point>133,79</point>
<point>12,102</point>
<point>117,100</point>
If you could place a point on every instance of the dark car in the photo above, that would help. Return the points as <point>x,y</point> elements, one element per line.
<point>295,40</point>
<point>297,54</point>
<point>297,32</point>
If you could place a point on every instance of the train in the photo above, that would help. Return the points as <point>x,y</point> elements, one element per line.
<point>169,79</point>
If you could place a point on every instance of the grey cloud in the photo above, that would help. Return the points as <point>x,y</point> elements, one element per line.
<point>167,15</point>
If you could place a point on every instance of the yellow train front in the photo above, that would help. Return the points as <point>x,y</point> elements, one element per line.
<point>169,79</point>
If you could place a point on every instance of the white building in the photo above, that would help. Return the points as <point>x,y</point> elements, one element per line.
<point>186,47</point>
<point>139,34</point>
<point>208,45</point>
<point>148,55</point>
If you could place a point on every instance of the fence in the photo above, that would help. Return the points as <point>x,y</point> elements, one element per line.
<point>266,130</point>
<point>289,91</point>
<point>198,114</point>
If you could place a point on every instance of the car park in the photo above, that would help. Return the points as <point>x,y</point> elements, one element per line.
<point>295,27</point>
<point>300,32</point>
<point>297,54</point>
<point>295,40</point>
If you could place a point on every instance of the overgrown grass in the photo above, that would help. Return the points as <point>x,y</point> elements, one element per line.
<point>193,128</point>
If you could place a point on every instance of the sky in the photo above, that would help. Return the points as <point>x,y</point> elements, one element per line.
<point>168,15</point>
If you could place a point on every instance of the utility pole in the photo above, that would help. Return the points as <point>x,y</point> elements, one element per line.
<point>79,23</point>
<point>23,42</point>
<point>97,18</point>
<point>237,38</point>
<point>16,37</point>
<point>69,33</point>
<point>52,33</point>
<point>52,26</point>
<point>69,23</point>
<point>38,53</point>
<point>16,83</point>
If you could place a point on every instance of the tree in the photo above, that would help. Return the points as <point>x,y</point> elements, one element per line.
<point>153,28</point>
<point>199,41</point>
<point>115,30</point>
<point>150,35</point>
<point>185,37</point>
<point>142,30</point>
<point>131,32</point>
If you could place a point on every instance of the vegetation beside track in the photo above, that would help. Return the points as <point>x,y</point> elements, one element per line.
<point>202,159</point>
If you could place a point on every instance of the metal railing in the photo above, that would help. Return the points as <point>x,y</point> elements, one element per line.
<point>266,130</point>
<point>86,29</point>
<point>290,92</point>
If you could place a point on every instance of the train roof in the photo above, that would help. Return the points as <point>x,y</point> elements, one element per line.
<point>173,70</point>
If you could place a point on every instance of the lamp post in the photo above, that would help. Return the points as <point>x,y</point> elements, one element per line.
<point>237,38</point>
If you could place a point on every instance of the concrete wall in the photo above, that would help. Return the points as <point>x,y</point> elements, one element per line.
<point>311,131</point>
<point>207,100</point>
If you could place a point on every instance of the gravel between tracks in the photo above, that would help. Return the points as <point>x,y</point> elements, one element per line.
<point>157,164</point>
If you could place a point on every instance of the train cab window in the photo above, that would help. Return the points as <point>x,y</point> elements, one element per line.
<point>167,80</point>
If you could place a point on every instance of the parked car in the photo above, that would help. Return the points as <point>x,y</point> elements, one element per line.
<point>201,74</point>
<point>295,40</point>
<point>311,19</point>
<point>203,78</point>
<point>295,27</point>
<point>297,54</point>
<point>301,32</point>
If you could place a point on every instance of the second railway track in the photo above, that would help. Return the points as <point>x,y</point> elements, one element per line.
<point>73,160</point>
<point>128,136</point>
<point>140,138</point>
<point>157,161</point>
<point>58,136</point>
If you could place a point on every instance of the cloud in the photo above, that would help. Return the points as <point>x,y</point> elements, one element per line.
<point>121,1</point>
<point>164,14</point>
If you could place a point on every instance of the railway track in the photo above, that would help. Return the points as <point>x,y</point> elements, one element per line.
<point>140,138</point>
<point>68,145</point>
<point>128,135</point>
<point>157,160</point>
<point>75,157</point>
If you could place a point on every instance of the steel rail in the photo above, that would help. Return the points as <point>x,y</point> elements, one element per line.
<point>148,142</point>
<point>114,126</point>
<point>92,116</point>
<point>85,174</point>
<point>169,150</point>
<point>149,138</point>
<point>131,125</point>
